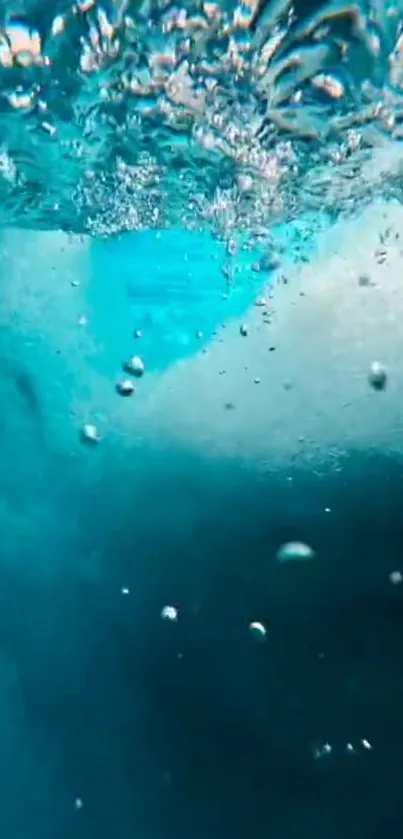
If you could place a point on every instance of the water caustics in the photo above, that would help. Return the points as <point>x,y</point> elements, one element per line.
<point>122,115</point>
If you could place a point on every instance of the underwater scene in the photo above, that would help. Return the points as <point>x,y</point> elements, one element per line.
<point>201,447</point>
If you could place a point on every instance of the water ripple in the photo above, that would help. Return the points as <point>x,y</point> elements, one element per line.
<point>122,115</point>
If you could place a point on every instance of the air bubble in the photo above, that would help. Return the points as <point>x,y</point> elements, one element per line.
<point>89,434</point>
<point>295,552</point>
<point>378,376</point>
<point>258,630</point>
<point>169,613</point>
<point>134,366</point>
<point>321,751</point>
<point>366,744</point>
<point>125,388</point>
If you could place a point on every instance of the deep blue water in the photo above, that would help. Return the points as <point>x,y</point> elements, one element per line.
<point>96,702</point>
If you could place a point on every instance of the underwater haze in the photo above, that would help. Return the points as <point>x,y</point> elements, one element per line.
<point>201,572</point>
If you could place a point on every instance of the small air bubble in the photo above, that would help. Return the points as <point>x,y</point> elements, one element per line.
<point>378,376</point>
<point>366,744</point>
<point>396,577</point>
<point>125,388</point>
<point>258,630</point>
<point>89,434</point>
<point>134,366</point>
<point>295,552</point>
<point>169,613</point>
<point>323,750</point>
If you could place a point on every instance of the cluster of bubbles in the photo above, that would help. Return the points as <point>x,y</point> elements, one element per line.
<point>119,115</point>
<point>134,367</point>
<point>326,749</point>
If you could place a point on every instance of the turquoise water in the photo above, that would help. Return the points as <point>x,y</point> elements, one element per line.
<point>177,287</point>
<point>115,720</point>
<point>178,184</point>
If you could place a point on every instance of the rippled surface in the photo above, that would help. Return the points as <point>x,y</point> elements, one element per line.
<point>122,115</point>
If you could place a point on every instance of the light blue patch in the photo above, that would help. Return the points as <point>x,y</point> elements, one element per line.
<point>170,285</point>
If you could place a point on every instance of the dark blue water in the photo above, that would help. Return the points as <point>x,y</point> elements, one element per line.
<point>190,728</point>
